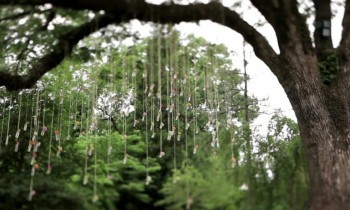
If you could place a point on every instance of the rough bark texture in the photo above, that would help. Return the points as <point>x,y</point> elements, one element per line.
<point>321,104</point>
<point>323,117</point>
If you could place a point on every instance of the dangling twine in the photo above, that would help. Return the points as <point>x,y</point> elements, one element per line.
<point>86,174</point>
<point>159,94</point>
<point>58,132</point>
<point>93,128</point>
<point>108,111</point>
<point>8,123</point>
<point>185,95</point>
<point>145,118</point>
<point>49,167</point>
<point>26,115</point>
<point>18,120</point>
<point>124,94</point>
<point>69,118</point>
<point>36,144</point>
<point>44,127</point>
<point>152,86</point>
<point>2,124</point>
<point>30,145</point>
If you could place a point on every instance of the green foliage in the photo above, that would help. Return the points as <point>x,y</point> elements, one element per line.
<point>329,69</point>
<point>91,171</point>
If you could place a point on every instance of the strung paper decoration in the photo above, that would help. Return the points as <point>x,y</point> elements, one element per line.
<point>2,123</point>
<point>31,190</point>
<point>93,129</point>
<point>194,111</point>
<point>189,203</point>
<point>31,130</point>
<point>70,117</point>
<point>176,98</point>
<point>148,179</point>
<point>124,113</point>
<point>8,123</point>
<point>86,175</point>
<point>58,131</point>
<point>144,107</point>
<point>25,126</point>
<point>49,166</point>
<point>16,146</point>
<point>18,122</point>
<point>36,144</point>
<point>43,128</point>
<point>233,159</point>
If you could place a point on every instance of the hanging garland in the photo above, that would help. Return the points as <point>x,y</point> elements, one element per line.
<point>177,75</point>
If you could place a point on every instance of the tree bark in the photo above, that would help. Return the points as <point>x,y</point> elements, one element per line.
<point>323,120</point>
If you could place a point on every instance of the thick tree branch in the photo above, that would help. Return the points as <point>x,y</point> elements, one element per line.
<point>22,14</point>
<point>322,34</point>
<point>172,13</point>
<point>345,41</point>
<point>58,52</point>
<point>289,25</point>
<point>49,19</point>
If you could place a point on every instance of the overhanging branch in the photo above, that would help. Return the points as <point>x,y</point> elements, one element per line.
<point>58,52</point>
<point>172,13</point>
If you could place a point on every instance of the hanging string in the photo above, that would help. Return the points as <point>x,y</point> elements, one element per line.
<point>148,97</point>
<point>44,127</point>
<point>124,112</point>
<point>159,94</point>
<point>2,123</point>
<point>76,122</point>
<point>185,92</point>
<point>172,95</point>
<point>25,126</point>
<point>233,159</point>
<point>148,177</point>
<point>8,122</point>
<point>145,118</point>
<point>152,85</point>
<point>109,146</point>
<point>108,111</point>
<point>194,110</point>
<point>125,160</point>
<point>172,92</point>
<point>36,144</point>
<point>49,166</point>
<point>35,129</point>
<point>185,97</point>
<point>134,86</point>
<point>31,138</point>
<point>95,195</point>
<point>18,123</point>
<point>70,117</point>
<point>217,104</point>
<point>177,77</point>
<point>93,129</point>
<point>58,132</point>
<point>211,102</point>
<point>167,69</point>
<point>87,150</point>
<point>207,88</point>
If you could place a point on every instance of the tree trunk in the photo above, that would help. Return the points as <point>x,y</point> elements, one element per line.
<point>323,115</point>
